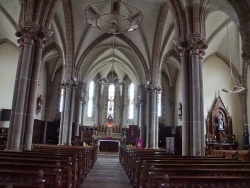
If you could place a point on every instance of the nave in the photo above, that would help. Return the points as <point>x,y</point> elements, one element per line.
<point>106,173</point>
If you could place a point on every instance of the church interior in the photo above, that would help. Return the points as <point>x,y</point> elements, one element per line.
<point>133,77</point>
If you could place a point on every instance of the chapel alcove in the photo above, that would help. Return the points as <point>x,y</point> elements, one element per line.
<point>219,132</point>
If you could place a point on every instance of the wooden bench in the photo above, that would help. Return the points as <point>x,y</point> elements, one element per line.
<point>10,178</point>
<point>160,172</point>
<point>140,165</point>
<point>52,159</point>
<point>198,181</point>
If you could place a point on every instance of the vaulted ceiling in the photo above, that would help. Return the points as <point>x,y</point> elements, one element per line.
<point>133,52</point>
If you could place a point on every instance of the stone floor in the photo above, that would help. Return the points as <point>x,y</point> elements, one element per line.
<point>107,173</point>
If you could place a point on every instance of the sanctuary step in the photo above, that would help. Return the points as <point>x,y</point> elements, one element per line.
<point>106,173</point>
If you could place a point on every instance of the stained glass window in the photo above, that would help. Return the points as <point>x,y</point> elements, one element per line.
<point>111,97</point>
<point>91,99</point>
<point>131,97</point>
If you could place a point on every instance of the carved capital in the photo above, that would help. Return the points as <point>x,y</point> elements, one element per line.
<point>181,45</point>
<point>153,87</point>
<point>246,55</point>
<point>29,32</point>
<point>43,37</point>
<point>69,85</point>
<point>196,44</point>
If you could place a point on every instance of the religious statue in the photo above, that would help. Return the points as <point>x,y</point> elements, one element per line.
<point>180,109</point>
<point>246,137</point>
<point>39,104</point>
<point>220,123</point>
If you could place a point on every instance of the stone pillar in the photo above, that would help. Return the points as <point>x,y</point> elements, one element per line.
<point>182,46</point>
<point>78,116</point>
<point>13,108</point>
<point>196,49</point>
<point>147,119</point>
<point>141,114</point>
<point>21,99</point>
<point>143,119</point>
<point>172,106</point>
<point>60,140</point>
<point>157,121</point>
<point>31,110</point>
<point>152,131</point>
<point>196,114</point>
<point>72,107</point>
<point>17,137</point>
<point>139,123</point>
<point>202,52</point>
<point>100,109</point>
<point>44,132</point>
<point>243,98</point>
<point>66,112</point>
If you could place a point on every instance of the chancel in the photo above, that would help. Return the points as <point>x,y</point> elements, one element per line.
<point>124,93</point>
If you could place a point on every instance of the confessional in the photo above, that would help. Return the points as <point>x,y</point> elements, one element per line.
<point>219,132</point>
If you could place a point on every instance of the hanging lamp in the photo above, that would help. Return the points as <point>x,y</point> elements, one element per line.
<point>113,16</point>
<point>236,87</point>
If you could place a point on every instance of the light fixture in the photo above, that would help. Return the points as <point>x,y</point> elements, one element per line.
<point>114,80</point>
<point>113,17</point>
<point>237,87</point>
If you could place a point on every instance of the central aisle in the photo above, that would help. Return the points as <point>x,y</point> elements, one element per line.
<point>107,173</point>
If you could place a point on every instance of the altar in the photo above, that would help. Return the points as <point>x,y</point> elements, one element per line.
<point>219,131</point>
<point>108,145</point>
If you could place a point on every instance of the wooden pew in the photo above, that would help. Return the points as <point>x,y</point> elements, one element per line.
<point>138,165</point>
<point>53,159</point>
<point>49,154</point>
<point>198,181</point>
<point>160,172</point>
<point>10,178</point>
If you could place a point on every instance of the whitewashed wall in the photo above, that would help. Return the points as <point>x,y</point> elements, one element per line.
<point>215,77</point>
<point>8,65</point>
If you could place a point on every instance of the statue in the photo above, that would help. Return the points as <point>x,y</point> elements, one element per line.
<point>246,137</point>
<point>220,123</point>
<point>39,104</point>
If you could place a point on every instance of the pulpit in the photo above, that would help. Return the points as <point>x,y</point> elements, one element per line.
<point>219,132</point>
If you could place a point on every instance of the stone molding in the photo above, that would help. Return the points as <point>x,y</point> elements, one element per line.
<point>153,87</point>
<point>29,32</point>
<point>246,55</point>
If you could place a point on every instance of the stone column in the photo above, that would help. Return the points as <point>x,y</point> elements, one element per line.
<point>66,112</point>
<point>22,91</point>
<point>202,52</point>
<point>157,121</point>
<point>100,106</point>
<point>139,119</point>
<point>31,110</point>
<point>153,118</point>
<point>13,108</point>
<point>147,118</point>
<point>182,47</point>
<point>44,132</point>
<point>196,46</point>
<point>78,116</point>
<point>71,110</point>
<point>196,121</point>
<point>152,132</point>
<point>243,98</point>
<point>63,90</point>
<point>172,106</point>
<point>140,111</point>
<point>143,119</point>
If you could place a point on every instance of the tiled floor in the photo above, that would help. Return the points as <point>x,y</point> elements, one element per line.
<point>107,173</point>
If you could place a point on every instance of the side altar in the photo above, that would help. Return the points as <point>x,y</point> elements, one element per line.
<point>219,132</point>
